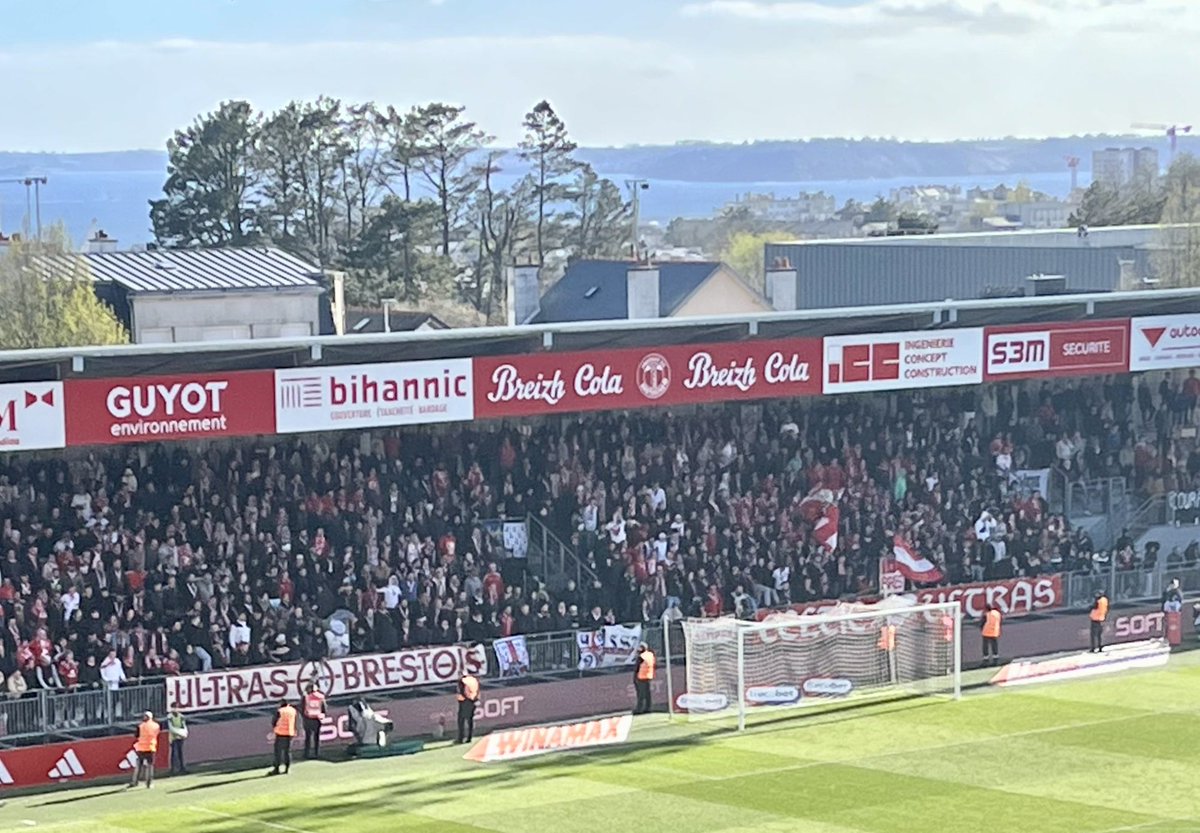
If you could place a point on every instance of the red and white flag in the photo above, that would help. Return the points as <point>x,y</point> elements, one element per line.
<point>915,567</point>
<point>825,530</point>
<point>820,509</point>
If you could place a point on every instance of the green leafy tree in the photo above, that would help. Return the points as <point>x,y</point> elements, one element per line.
<point>48,299</point>
<point>547,147</point>
<point>445,141</point>
<point>211,177</point>
<point>1104,205</point>
<point>745,252</point>
<point>1176,259</point>
<point>880,211</point>
<point>383,261</point>
<point>597,220</point>
<point>507,222</point>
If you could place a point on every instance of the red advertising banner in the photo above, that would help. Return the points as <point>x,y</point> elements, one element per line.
<point>147,409</point>
<point>1015,597</point>
<point>1084,347</point>
<point>349,675</point>
<point>82,760</point>
<point>554,383</point>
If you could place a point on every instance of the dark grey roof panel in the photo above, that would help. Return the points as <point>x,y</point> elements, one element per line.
<point>836,275</point>
<point>596,290</point>
<point>193,270</point>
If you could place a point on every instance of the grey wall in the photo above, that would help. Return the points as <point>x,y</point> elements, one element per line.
<point>222,316</point>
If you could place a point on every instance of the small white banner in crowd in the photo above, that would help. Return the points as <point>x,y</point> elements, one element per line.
<point>516,538</point>
<point>512,656</point>
<point>610,647</point>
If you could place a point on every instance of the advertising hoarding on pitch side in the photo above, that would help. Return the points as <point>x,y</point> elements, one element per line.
<point>373,395</point>
<point>1081,348</point>
<point>549,383</point>
<point>895,361</point>
<point>155,408</point>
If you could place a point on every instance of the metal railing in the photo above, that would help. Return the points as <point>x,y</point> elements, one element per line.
<point>43,714</point>
<point>1104,499</point>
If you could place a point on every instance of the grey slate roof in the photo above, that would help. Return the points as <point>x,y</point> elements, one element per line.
<point>849,275</point>
<point>194,270</point>
<point>572,298</point>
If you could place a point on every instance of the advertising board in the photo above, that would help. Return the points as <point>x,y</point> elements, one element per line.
<point>895,361</point>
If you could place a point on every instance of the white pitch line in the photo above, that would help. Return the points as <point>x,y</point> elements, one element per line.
<point>263,822</point>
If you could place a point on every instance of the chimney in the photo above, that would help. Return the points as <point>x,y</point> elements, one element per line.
<point>338,301</point>
<point>524,293</point>
<point>100,243</point>
<point>1039,285</point>
<point>642,293</point>
<point>1129,278</point>
<point>781,284</point>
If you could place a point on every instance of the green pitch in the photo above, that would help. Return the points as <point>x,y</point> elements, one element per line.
<point>1098,756</point>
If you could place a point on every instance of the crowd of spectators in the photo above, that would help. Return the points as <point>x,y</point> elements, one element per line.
<point>138,561</point>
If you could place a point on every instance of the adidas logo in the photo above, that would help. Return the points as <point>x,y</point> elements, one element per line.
<point>130,760</point>
<point>5,776</point>
<point>68,765</point>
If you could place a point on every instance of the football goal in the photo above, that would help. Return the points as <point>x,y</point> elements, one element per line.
<point>790,660</point>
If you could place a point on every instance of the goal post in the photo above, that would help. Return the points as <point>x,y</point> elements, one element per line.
<point>789,660</point>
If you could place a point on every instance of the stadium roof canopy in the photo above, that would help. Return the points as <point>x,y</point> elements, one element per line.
<point>149,359</point>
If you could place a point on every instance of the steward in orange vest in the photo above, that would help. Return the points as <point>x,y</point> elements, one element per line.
<point>468,699</point>
<point>990,628</point>
<point>643,676</point>
<point>145,745</point>
<point>314,713</point>
<point>283,728</point>
<point>1098,614</point>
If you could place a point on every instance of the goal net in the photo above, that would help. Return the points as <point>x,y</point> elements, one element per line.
<point>790,660</point>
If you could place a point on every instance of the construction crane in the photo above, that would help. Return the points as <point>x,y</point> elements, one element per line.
<point>33,198</point>
<point>1172,131</point>
<point>1073,164</point>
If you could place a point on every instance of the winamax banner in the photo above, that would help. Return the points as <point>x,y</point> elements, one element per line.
<point>350,675</point>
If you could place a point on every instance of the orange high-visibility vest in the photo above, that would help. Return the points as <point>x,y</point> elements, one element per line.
<point>469,690</point>
<point>646,669</point>
<point>285,722</point>
<point>314,705</point>
<point>887,638</point>
<point>1100,612</point>
<point>947,628</point>
<point>147,737</point>
<point>991,624</point>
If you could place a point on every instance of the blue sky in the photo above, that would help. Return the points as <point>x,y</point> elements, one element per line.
<point>115,74</point>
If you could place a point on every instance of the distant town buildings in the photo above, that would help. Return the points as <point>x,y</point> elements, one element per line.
<point>1123,167</point>
<point>805,207</point>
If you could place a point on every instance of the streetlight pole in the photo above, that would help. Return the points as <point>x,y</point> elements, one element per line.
<point>33,198</point>
<point>636,186</point>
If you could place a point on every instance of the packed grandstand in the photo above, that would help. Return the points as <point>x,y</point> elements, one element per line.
<point>124,563</point>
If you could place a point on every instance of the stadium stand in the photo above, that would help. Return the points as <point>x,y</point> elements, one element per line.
<point>133,562</point>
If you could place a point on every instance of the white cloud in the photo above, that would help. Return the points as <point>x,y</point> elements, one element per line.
<point>978,17</point>
<point>730,71</point>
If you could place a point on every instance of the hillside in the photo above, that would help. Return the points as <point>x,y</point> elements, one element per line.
<point>784,161</point>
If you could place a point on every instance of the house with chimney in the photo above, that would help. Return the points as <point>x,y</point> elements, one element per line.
<point>612,290</point>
